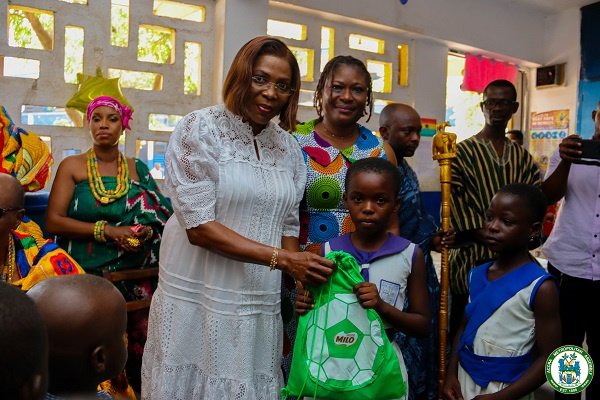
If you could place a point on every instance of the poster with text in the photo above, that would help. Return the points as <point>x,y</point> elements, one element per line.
<point>548,129</point>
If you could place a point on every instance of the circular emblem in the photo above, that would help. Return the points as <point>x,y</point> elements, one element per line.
<point>569,369</point>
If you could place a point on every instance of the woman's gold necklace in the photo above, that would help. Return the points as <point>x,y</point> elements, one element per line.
<point>338,136</point>
<point>10,263</point>
<point>95,179</point>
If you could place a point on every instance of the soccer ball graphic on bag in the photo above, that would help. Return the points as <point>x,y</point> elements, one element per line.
<point>341,351</point>
<point>346,341</point>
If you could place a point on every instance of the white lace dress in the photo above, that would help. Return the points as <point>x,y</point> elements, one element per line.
<point>215,330</point>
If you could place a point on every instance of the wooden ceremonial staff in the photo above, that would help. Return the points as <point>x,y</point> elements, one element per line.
<point>444,150</point>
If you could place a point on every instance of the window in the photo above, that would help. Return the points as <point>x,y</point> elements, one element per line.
<point>381,73</point>
<point>286,30</point>
<point>306,98</point>
<point>30,28</point>
<point>306,61</point>
<point>137,79</point>
<point>73,53</point>
<point>153,154</point>
<point>462,108</point>
<point>366,43</point>
<point>155,44</point>
<point>191,68</point>
<point>174,9</point>
<point>327,46</point>
<point>47,115</point>
<point>20,67</point>
<point>119,23</point>
<point>403,65</point>
<point>48,141</point>
<point>163,122</point>
<point>379,105</point>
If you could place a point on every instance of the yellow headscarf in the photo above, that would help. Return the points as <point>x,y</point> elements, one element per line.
<point>24,155</point>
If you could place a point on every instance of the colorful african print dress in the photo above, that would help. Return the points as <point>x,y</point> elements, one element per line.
<point>23,154</point>
<point>416,225</point>
<point>38,259</point>
<point>144,204</point>
<point>323,215</point>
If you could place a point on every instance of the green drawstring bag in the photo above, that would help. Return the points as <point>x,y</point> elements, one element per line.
<point>341,350</point>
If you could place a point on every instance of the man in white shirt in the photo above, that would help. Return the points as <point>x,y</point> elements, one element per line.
<point>157,172</point>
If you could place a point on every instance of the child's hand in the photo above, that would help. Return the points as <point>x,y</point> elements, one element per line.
<point>304,301</point>
<point>443,238</point>
<point>368,296</point>
<point>452,388</point>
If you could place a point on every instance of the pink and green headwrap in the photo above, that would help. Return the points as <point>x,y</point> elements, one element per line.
<point>124,111</point>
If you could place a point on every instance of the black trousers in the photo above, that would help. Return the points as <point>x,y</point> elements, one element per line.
<point>580,317</point>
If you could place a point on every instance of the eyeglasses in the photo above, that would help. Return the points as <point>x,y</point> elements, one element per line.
<point>489,104</point>
<point>263,83</point>
<point>5,210</point>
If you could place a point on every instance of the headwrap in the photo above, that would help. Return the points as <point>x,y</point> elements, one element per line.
<point>124,111</point>
<point>24,155</point>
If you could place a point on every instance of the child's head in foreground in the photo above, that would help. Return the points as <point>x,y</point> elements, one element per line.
<point>23,347</point>
<point>371,193</point>
<point>514,217</point>
<point>86,317</point>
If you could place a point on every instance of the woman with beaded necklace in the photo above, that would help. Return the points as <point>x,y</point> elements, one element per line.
<point>330,144</point>
<point>109,213</point>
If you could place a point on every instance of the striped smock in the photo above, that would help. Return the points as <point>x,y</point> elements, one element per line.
<point>477,174</point>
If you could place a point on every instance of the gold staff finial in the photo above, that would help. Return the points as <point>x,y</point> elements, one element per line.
<point>444,150</point>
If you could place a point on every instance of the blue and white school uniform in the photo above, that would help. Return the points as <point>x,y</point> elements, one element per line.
<point>389,268</point>
<point>496,346</point>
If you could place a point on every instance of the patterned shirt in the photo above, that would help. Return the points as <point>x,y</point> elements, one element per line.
<point>477,174</point>
<point>323,215</point>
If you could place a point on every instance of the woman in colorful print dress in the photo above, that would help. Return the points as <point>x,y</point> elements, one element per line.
<point>109,213</point>
<point>329,145</point>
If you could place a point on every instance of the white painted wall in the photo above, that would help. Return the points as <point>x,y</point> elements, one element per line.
<point>51,90</point>
<point>500,29</point>
<point>561,45</point>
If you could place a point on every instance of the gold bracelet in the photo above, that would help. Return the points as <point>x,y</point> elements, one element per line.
<point>99,231</point>
<point>273,264</point>
<point>149,234</point>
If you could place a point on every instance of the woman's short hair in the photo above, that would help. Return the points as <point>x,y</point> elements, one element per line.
<point>239,78</point>
<point>332,66</point>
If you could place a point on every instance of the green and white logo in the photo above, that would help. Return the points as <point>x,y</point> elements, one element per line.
<point>569,369</point>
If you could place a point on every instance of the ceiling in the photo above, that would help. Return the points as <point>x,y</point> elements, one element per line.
<point>554,6</point>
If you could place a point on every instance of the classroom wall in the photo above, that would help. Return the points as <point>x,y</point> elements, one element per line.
<point>433,28</point>
<point>562,32</point>
<point>501,30</point>
<point>501,27</point>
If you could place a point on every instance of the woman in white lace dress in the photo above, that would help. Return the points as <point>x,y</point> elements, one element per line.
<point>236,179</point>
